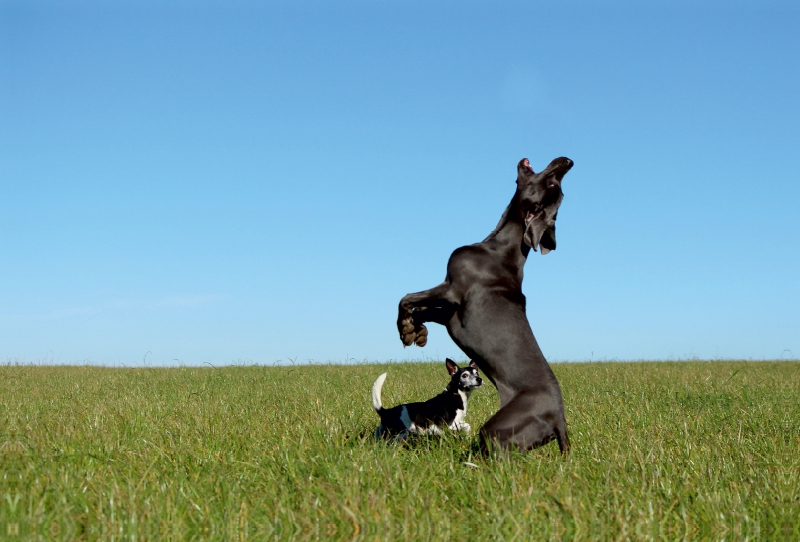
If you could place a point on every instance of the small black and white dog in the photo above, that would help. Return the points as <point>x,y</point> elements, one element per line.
<point>426,418</point>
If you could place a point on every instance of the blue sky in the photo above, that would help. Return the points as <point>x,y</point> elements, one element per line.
<point>235,182</point>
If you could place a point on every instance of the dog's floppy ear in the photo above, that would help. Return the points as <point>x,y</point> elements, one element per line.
<point>524,170</point>
<point>540,231</point>
<point>452,368</point>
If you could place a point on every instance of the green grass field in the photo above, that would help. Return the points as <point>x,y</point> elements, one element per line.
<point>672,451</point>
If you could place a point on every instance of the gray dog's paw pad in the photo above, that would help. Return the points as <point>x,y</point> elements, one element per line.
<point>411,333</point>
<point>422,336</point>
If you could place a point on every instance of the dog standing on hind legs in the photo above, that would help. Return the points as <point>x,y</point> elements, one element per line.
<point>482,306</point>
<point>447,409</point>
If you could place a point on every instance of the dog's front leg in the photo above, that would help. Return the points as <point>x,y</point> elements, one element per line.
<point>416,309</point>
<point>460,426</point>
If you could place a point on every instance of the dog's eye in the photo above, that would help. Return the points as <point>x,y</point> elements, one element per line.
<point>464,375</point>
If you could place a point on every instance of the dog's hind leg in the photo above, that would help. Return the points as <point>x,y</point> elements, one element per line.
<point>530,419</point>
<point>400,437</point>
<point>416,309</point>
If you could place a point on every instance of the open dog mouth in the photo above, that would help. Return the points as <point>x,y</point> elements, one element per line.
<point>539,209</point>
<point>533,212</point>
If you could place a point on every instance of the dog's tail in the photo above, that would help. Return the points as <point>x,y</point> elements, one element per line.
<point>376,393</point>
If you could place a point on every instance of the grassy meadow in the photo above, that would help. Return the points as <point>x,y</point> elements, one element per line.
<point>686,450</point>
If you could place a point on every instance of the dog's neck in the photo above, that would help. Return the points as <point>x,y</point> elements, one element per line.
<point>508,234</point>
<point>455,390</point>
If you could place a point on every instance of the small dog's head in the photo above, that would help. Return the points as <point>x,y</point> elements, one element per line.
<point>465,379</point>
<point>540,196</point>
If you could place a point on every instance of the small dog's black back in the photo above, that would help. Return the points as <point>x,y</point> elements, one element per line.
<point>447,409</point>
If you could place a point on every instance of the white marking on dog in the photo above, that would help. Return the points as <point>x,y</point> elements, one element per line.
<point>376,392</point>
<point>406,419</point>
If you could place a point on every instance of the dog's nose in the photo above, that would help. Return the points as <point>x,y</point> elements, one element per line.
<point>565,163</point>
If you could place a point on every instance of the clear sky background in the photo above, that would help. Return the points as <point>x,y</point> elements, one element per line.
<point>248,183</point>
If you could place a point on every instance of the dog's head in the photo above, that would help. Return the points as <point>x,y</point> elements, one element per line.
<point>540,196</point>
<point>466,379</point>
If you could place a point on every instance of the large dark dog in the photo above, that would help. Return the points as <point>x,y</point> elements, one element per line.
<point>482,306</point>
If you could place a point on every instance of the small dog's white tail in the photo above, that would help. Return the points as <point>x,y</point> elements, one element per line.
<point>376,392</point>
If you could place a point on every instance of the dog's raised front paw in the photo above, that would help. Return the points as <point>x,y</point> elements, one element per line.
<point>410,323</point>
<point>412,334</point>
<point>422,336</point>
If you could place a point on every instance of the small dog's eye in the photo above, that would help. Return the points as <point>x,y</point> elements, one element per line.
<point>464,375</point>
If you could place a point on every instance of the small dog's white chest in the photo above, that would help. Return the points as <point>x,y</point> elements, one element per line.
<point>458,423</point>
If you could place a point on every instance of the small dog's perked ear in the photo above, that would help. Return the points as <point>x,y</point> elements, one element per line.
<point>473,365</point>
<point>452,368</point>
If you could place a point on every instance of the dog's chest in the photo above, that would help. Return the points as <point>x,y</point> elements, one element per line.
<point>461,413</point>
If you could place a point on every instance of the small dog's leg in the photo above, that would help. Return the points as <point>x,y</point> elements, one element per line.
<point>460,426</point>
<point>433,430</point>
